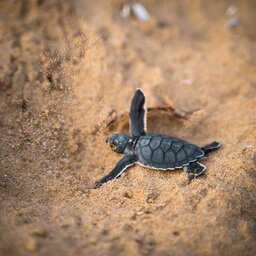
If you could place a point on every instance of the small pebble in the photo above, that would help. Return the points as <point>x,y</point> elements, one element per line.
<point>140,213</point>
<point>176,233</point>
<point>50,169</point>
<point>233,22</point>
<point>65,160</point>
<point>44,144</point>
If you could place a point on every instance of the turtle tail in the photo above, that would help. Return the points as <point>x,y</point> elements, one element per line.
<point>211,147</point>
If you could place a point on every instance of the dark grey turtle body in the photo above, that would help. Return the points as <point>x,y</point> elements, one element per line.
<point>154,151</point>
<point>165,153</point>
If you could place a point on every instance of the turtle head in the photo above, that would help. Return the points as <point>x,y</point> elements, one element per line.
<point>118,142</point>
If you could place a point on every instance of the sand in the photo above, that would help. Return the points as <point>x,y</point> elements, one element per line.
<point>67,68</point>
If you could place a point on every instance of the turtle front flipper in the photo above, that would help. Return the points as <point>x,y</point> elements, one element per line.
<point>194,169</point>
<point>138,122</point>
<point>120,167</point>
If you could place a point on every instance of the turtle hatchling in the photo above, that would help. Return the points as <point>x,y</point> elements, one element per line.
<point>155,151</point>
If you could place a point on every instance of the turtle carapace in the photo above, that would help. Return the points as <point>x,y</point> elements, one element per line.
<point>155,151</point>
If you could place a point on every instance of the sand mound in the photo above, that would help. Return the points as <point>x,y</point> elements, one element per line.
<point>66,69</point>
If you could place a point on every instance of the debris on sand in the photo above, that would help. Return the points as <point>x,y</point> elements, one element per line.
<point>231,11</point>
<point>233,22</point>
<point>126,11</point>
<point>44,144</point>
<point>139,11</point>
<point>64,160</point>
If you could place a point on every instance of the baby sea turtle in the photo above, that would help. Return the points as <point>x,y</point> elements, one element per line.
<point>155,151</point>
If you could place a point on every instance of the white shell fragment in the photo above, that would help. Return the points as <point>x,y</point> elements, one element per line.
<point>140,12</point>
<point>231,11</point>
<point>126,11</point>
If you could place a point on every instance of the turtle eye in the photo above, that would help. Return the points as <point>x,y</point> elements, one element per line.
<point>112,146</point>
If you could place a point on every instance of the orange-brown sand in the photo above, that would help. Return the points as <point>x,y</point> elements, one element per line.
<point>68,67</point>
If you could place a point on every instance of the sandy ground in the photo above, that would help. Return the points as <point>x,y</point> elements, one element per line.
<point>66,69</point>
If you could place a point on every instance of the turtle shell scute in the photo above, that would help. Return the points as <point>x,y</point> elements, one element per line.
<point>165,152</point>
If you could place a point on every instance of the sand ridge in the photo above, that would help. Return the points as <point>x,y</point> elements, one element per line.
<point>65,69</point>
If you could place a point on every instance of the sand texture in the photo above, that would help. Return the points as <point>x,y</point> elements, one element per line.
<point>69,68</point>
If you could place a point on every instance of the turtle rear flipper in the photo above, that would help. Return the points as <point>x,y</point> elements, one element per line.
<point>211,147</point>
<point>194,169</point>
<point>120,167</point>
